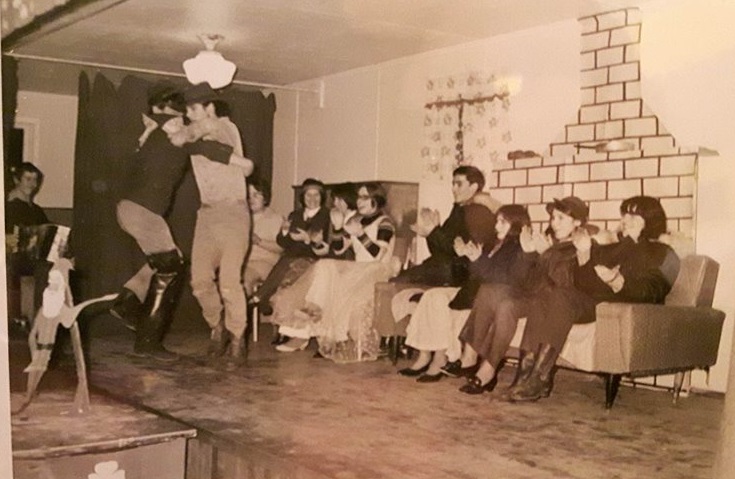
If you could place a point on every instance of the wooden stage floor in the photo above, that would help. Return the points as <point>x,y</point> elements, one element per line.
<point>290,415</point>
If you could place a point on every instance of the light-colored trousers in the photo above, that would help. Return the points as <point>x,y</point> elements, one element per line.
<point>152,234</point>
<point>221,238</point>
<point>436,327</point>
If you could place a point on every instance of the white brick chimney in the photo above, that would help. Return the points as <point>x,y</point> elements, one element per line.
<point>611,109</point>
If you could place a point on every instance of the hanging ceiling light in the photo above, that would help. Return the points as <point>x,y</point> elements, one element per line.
<point>209,66</point>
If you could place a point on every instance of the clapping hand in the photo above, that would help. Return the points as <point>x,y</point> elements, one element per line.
<point>353,227</point>
<point>582,240</point>
<point>460,247</point>
<point>607,274</point>
<point>426,221</point>
<point>533,241</point>
<point>285,227</point>
<point>473,251</point>
<point>337,218</point>
<point>300,235</point>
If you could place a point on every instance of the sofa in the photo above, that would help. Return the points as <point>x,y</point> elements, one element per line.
<point>626,340</point>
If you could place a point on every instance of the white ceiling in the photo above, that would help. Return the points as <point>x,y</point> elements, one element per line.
<point>285,41</point>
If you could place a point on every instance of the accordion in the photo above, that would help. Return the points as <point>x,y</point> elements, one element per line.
<point>47,242</point>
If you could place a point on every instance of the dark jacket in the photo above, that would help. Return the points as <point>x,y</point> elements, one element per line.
<point>649,268</point>
<point>318,222</point>
<point>507,265</point>
<point>443,267</point>
<point>21,213</point>
<point>552,269</point>
<point>158,169</point>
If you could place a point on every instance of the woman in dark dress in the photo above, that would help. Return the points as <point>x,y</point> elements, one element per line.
<point>495,257</point>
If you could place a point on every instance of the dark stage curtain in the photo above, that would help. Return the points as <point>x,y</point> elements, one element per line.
<point>109,125</point>
<point>10,103</point>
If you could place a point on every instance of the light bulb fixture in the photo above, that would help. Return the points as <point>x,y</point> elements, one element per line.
<point>208,65</point>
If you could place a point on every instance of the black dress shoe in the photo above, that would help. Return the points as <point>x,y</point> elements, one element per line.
<point>429,378</point>
<point>475,386</point>
<point>455,370</point>
<point>412,373</point>
<point>280,339</point>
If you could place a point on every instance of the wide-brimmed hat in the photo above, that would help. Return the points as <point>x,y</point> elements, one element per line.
<point>200,93</point>
<point>570,205</point>
<point>162,91</point>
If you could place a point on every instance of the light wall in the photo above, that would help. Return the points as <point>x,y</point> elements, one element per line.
<point>370,123</point>
<point>50,124</point>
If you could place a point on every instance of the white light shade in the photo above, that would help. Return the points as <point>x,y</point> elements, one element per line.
<point>211,67</point>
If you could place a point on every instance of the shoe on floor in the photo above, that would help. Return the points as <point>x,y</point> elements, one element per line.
<point>293,344</point>
<point>454,369</point>
<point>412,373</point>
<point>280,339</point>
<point>429,378</point>
<point>157,352</point>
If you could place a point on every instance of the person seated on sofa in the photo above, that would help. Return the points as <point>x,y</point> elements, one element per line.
<point>441,313</point>
<point>339,300</point>
<point>547,263</point>
<point>290,297</point>
<point>636,269</point>
<point>295,237</point>
<point>264,250</point>
<point>445,267</point>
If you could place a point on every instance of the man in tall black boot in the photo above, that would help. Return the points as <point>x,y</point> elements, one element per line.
<point>147,300</point>
<point>160,303</point>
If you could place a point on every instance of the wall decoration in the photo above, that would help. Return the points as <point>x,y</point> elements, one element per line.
<point>465,123</point>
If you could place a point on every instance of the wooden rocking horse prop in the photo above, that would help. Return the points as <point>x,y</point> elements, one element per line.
<point>57,309</point>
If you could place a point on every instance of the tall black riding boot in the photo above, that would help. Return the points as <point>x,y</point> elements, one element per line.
<point>540,381</point>
<point>160,303</point>
<point>127,308</point>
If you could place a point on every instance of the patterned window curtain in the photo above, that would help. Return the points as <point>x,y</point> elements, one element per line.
<point>465,123</point>
<point>19,13</point>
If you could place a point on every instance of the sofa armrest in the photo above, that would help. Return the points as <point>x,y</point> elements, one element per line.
<point>646,338</point>
<point>383,319</point>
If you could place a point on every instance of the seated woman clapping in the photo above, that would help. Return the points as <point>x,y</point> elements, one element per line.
<point>294,330</point>
<point>547,264</point>
<point>638,268</point>
<point>339,301</point>
<point>496,258</point>
<point>295,238</point>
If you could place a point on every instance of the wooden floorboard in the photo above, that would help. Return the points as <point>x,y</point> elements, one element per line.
<point>290,415</point>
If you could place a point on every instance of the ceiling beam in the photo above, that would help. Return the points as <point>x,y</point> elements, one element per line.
<point>55,20</point>
<point>147,71</point>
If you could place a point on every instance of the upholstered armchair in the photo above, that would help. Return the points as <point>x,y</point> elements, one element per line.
<point>683,334</point>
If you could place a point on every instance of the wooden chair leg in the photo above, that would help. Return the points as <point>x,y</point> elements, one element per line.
<point>678,383</point>
<point>612,383</point>
<point>395,349</point>
<point>255,315</point>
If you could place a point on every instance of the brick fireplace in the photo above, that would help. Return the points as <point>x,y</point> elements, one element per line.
<point>611,109</point>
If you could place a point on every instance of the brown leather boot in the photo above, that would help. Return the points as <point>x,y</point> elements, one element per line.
<point>526,359</point>
<point>236,351</point>
<point>540,382</point>
<point>218,339</point>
